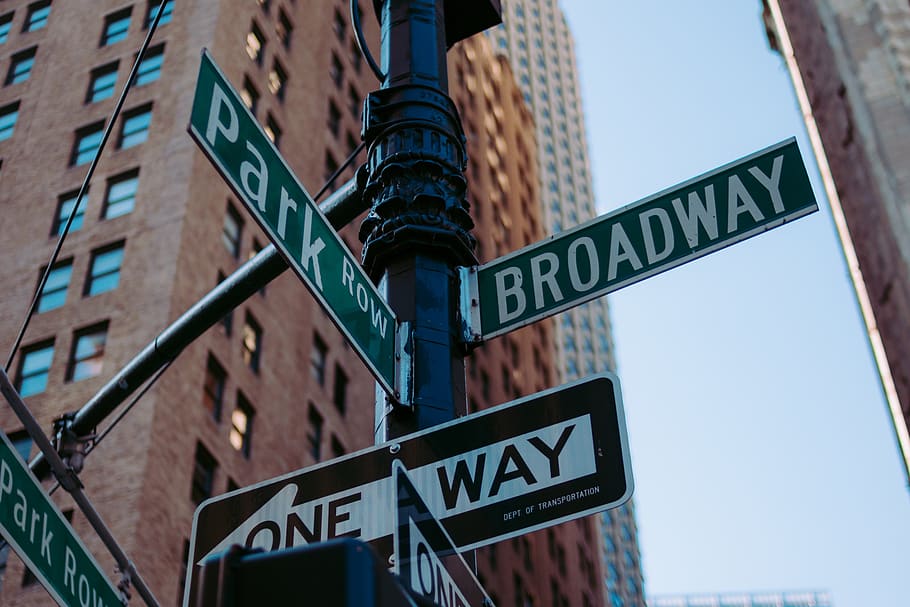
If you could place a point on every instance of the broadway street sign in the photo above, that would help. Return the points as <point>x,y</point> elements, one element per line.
<point>42,538</point>
<point>426,559</point>
<point>688,221</point>
<point>250,163</point>
<point>525,465</point>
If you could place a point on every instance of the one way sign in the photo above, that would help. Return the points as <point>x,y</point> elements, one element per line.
<point>529,464</point>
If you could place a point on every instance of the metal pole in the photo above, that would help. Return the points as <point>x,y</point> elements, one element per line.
<point>418,228</point>
<point>340,208</point>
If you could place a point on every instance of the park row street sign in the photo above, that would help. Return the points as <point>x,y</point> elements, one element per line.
<point>499,473</point>
<point>426,559</point>
<point>45,541</point>
<point>250,163</point>
<point>685,222</point>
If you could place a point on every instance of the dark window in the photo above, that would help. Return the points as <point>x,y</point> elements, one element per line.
<point>8,115</point>
<point>38,12</point>
<point>86,143</point>
<point>317,359</point>
<point>150,67</point>
<point>232,231</point>
<point>278,80</point>
<point>53,295</point>
<point>241,434</point>
<point>87,354</point>
<point>116,27</point>
<point>272,130</point>
<point>65,206</point>
<point>22,443</point>
<point>255,43</point>
<point>283,29</point>
<point>334,118</point>
<point>6,22</point>
<point>339,26</point>
<point>135,127</point>
<point>152,12</point>
<point>252,343</point>
<point>213,388</point>
<point>121,195</point>
<point>102,82</point>
<point>249,94</point>
<point>34,366</point>
<point>336,71</point>
<point>338,449</point>
<point>340,390</point>
<point>104,270</point>
<point>331,165</point>
<point>20,66</point>
<point>356,56</point>
<point>314,436</point>
<point>203,475</point>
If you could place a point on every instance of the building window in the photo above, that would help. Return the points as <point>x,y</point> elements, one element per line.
<point>317,359</point>
<point>283,29</point>
<point>241,434</point>
<point>20,66</point>
<point>213,388</point>
<point>272,130</point>
<point>203,475</point>
<point>116,27</point>
<point>102,82</point>
<point>255,43</point>
<point>65,206</point>
<point>150,67</point>
<point>252,343</point>
<point>8,115</point>
<point>34,366</point>
<point>331,165</point>
<point>356,57</point>
<point>6,22</point>
<point>104,271</point>
<point>278,79</point>
<point>86,144</point>
<point>38,13</point>
<point>135,127</point>
<point>314,436</point>
<point>152,12</point>
<point>22,443</point>
<point>121,195</point>
<point>53,295</point>
<point>334,118</point>
<point>339,26</point>
<point>336,72</point>
<point>249,94</point>
<point>340,389</point>
<point>232,231</point>
<point>87,355</point>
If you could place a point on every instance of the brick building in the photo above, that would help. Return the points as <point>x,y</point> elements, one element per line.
<point>850,66</point>
<point>274,387</point>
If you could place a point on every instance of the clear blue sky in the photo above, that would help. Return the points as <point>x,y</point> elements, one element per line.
<point>762,452</point>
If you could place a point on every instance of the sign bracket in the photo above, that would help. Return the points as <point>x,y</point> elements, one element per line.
<point>404,365</point>
<point>469,306</point>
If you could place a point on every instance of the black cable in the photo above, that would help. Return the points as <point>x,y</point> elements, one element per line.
<point>362,43</point>
<point>339,170</point>
<point>85,183</point>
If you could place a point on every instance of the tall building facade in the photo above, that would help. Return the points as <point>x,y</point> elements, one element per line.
<point>273,387</point>
<point>763,599</point>
<point>558,566</point>
<point>536,38</point>
<point>850,66</point>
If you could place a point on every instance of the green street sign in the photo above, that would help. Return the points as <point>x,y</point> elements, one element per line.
<point>42,538</point>
<point>734,202</point>
<point>250,163</point>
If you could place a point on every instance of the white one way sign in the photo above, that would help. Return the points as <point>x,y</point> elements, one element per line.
<point>506,471</point>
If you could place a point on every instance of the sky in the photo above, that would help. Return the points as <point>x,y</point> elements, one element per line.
<point>763,455</point>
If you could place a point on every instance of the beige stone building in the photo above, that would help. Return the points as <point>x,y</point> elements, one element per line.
<point>274,387</point>
<point>850,65</point>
